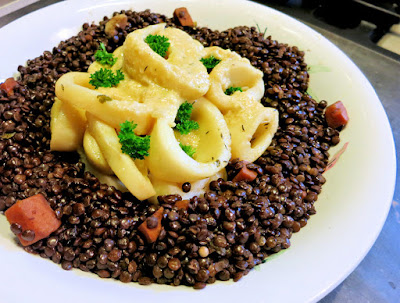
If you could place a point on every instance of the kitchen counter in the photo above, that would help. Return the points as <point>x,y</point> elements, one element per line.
<point>377,278</point>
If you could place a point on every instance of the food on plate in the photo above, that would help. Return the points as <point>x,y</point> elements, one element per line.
<point>94,127</point>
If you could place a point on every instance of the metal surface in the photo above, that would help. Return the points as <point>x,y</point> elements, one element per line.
<point>377,278</point>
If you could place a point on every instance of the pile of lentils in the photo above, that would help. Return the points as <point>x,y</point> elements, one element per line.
<point>224,233</point>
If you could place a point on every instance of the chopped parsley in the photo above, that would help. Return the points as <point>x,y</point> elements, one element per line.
<point>106,78</point>
<point>210,62</point>
<point>8,135</point>
<point>158,44</point>
<point>104,57</point>
<point>189,150</point>
<point>103,98</point>
<point>231,90</point>
<point>183,122</point>
<point>135,146</point>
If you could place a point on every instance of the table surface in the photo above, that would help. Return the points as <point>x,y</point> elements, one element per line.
<point>377,278</point>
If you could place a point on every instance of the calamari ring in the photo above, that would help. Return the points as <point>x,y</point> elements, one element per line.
<point>198,187</point>
<point>67,126</point>
<point>128,171</point>
<point>235,73</point>
<point>222,54</point>
<point>94,154</point>
<point>182,71</point>
<point>74,88</point>
<point>167,160</point>
<point>252,129</point>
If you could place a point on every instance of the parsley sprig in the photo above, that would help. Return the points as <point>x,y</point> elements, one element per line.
<point>106,78</point>
<point>231,90</point>
<point>184,124</point>
<point>210,62</point>
<point>135,146</point>
<point>158,44</point>
<point>104,57</point>
<point>189,150</point>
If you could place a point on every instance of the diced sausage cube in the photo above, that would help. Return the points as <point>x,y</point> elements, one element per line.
<point>245,174</point>
<point>8,86</point>
<point>182,15</point>
<point>33,214</point>
<point>183,204</point>
<point>152,226</point>
<point>336,115</point>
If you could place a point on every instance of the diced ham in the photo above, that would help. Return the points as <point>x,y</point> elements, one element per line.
<point>336,115</point>
<point>8,86</point>
<point>245,174</point>
<point>152,226</point>
<point>183,204</point>
<point>33,214</point>
<point>182,15</point>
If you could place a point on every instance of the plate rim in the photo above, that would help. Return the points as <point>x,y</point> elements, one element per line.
<point>337,50</point>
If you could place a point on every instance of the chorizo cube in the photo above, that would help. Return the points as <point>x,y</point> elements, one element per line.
<point>245,174</point>
<point>182,15</point>
<point>8,86</point>
<point>336,115</point>
<point>33,214</point>
<point>151,227</point>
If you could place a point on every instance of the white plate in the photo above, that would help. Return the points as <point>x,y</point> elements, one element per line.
<point>350,211</point>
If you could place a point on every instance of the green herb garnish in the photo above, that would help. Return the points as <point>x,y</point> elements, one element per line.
<point>103,98</point>
<point>135,146</point>
<point>210,62</point>
<point>183,122</point>
<point>106,78</point>
<point>8,135</point>
<point>158,44</point>
<point>189,150</point>
<point>231,90</point>
<point>104,57</point>
<point>187,126</point>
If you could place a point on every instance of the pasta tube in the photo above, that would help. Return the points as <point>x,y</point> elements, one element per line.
<point>167,160</point>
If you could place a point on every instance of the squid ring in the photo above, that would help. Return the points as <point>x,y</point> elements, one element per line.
<point>182,71</point>
<point>235,73</point>
<point>252,129</point>
<point>167,160</point>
